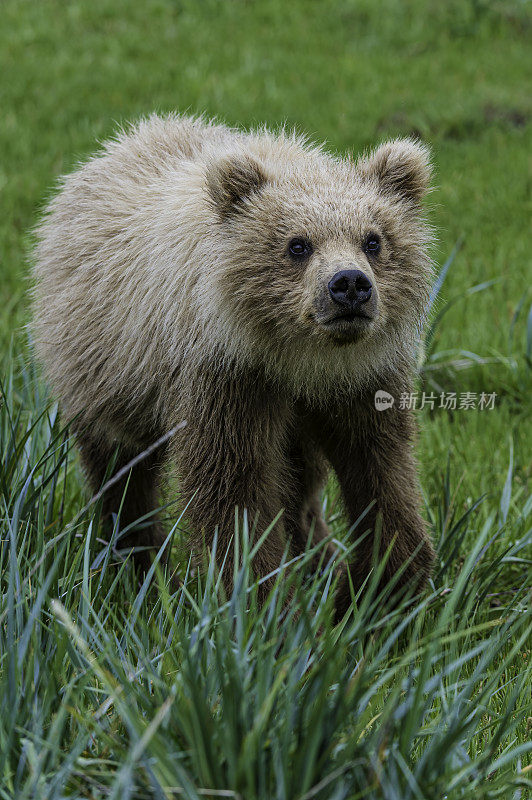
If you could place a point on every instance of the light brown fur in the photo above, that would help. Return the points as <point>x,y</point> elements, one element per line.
<point>164,292</point>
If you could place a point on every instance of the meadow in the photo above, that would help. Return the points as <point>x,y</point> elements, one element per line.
<point>111,689</point>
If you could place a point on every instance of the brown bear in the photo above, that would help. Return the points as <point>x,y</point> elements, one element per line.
<point>263,290</point>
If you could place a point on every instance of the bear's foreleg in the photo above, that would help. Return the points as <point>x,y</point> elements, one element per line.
<point>302,495</point>
<point>371,453</point>
<point>231,454</point>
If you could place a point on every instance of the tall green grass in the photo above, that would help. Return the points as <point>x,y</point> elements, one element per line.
<point>108,689</point>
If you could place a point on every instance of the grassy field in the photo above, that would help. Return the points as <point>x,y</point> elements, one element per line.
<point>111,691</point>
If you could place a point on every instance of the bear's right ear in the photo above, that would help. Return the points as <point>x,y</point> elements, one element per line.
<point>232,180</point>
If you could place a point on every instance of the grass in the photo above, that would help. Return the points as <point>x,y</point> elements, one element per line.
<point>111,690</point>
<point>108,690</point>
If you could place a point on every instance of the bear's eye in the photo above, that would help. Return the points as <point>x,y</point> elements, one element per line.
<point>300,248</point>
<point>372,244</point>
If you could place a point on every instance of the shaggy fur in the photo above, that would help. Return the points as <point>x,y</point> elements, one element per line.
<point>165,291</point>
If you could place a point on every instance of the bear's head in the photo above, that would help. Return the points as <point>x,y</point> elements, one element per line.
<point>321,263</point>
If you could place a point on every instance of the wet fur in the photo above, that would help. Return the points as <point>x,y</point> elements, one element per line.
<point>163,292</point>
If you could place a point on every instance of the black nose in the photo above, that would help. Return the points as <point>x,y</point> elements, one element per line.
<point>350,288</point>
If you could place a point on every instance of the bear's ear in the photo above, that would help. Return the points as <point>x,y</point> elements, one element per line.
<point>400,167</point>
<point>233,179</point>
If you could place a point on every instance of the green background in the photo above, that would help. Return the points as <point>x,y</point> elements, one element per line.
<point>457,74</point>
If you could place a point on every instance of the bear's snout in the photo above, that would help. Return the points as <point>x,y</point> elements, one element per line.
<point>350,289</point>
<point>348,304</point>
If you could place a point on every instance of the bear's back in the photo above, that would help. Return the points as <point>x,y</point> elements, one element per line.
<point>111,278</point>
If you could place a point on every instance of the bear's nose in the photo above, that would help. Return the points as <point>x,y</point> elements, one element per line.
<point>350,288</point>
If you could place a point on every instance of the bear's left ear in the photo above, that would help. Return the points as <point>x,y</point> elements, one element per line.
<point>232,180</point>
<point>400,167</point>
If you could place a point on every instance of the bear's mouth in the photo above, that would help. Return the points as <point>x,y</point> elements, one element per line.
<point>351,316</point>
<point>352,320</point>
<point>348,326</point>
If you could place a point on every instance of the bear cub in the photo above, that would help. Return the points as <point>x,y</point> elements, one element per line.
<point>263,290</point>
